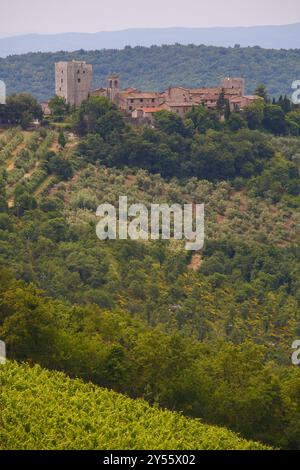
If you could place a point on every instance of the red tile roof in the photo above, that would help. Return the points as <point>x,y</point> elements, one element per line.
<point>140,95</point>
<point>151,110</point>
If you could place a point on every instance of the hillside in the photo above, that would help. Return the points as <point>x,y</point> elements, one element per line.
<point>271,37</point>
<point>206,334</point>
<point>46,410</point>
<point>156,68</point>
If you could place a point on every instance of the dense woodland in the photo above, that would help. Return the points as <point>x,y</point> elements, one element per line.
<point>208,334</point>
<point>156,68</point>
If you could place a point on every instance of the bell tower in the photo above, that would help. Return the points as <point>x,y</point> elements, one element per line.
<point>113,87</point>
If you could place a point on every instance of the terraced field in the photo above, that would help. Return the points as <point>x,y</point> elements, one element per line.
<point>22,154</point>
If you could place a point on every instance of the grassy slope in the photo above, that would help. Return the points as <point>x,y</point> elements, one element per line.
<point>47,410</point>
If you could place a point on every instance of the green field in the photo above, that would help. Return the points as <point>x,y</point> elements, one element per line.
<point>46,410</point>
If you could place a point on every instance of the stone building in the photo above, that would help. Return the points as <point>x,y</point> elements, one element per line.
<point>128,101</point>
<point>99,92</point>
<point>233,85</point>
<point>238,103</point>
<point>177,94</point>
<point>73,81</point>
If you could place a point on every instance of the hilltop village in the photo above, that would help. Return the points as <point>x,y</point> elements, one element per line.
<point>73,82</point>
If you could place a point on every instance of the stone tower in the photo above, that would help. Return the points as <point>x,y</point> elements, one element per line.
<point>2,92</point>
<point>113,87</point>
<point>73,81</point>
<point>233,84</point>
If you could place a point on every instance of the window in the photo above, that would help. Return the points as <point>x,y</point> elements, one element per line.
<point>62,80</point>
<point>78,71</point>
<point>79,80</point>
<point>141,100</point>
<point>131,101</point>
<point>153,100</point>
<point>83,71</point>
<point>130,108</point>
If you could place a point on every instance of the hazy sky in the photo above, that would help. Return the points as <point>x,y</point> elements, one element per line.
<point>54,16</point>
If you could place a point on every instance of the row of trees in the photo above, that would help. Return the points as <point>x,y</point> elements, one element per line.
<point>98,115</point>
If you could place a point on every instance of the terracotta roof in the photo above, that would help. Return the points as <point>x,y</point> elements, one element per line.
<point>202,91</point>
<point>151,110</point>
<point>99,89</point>
<point>129,90</point>
<point>141,95</point>
<point>253,97</point>
<point>209,97</point>
<point>239,99</point>
<point>177,88</point>
<point>180,104</point>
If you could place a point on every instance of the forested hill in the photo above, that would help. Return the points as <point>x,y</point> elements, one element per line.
<point>158,67</point>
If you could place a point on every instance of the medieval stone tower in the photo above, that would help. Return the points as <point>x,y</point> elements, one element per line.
<point>113,87</point>
<point>235,84</point>
<point>73,81</point>
<point>2,92</point>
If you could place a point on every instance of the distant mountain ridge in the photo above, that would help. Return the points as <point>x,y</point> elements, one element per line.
<point>269,37</point>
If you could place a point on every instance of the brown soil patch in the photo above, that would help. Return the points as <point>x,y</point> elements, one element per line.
<point>11,162</point>
<point>196,263</point>
<point>130,180</point>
